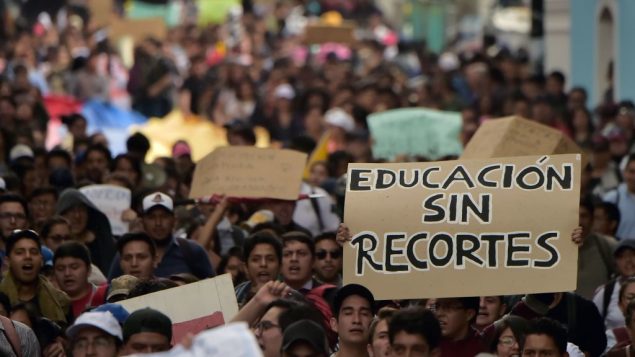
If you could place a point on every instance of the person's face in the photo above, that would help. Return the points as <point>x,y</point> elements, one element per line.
<point>96,165</point>
<point>453,318</point>
<point>58,234</point>
<point>411,345</point>
<point>93,342</point>
<point>627,296</point>
<point>629,176</point>
<point>71,275</point>
<point>282,210</point>
<point>158,223</point>
<point>146,342</point>
<point>297,263</point>
<point>577,100</point>
<point>78,129</point>
<point>124,167</point>
<point>380,344</point>
<point>301,349</point>
<point>625,262</point>
<point>25,261</point>
<point>137,260</point>
<point>328,260</point>
<point>78,218</point>
<point>491,308</point>
<point>234,267</point>
<point>12,217</point>
<point>586,220</point>
<point>318,175</point>
<point>540,345</point>
<point>354,318</point>
<point>602,223</point>
<point>507,345</point>
<point>57,162</point>
<point>268,333</point>
<point>42,207</point>
<point>263,264</point>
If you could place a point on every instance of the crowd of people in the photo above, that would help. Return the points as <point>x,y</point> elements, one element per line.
<point>64,270</point>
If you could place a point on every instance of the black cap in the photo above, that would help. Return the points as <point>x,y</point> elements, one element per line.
<point>147,320</point>
<point>306,331</point>
<point>623,245</point>
<point>349,290</point>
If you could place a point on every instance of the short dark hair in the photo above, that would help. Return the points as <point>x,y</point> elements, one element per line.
<point>301,237</point>
<point>61,153</point>
<point>136,237</point>
<point>384,314</point>
<point>20,234</point>
<point>548,327</point>
<point>416,321</point>
<point>50,223</point>
<point>45,190</point>
<point>612,211</point>
<point>138,142</point>
<point>262,238</point>
<point>100,148</point>
<point>12,197</point>
<point>516,324</point>
<point>134,162</point>
<point>325,236</point>
<point>145,287</point>
<point>298,312</point>
<point>558,76</point>
<point>73,250</point>
<point>587,202</point>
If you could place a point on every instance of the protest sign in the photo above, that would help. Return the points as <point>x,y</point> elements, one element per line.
<point>138,29</point>
<point>323,33</point>
<point>112,201</point>
<point>214,11</point>
<point>249,172</point>
<point>463,228</point>
<point>193,307</point>
<point>433,134</point>
<point>101,11</point>
<point>516,136</point>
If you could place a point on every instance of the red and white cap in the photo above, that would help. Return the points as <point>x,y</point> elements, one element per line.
<point>157,199</point>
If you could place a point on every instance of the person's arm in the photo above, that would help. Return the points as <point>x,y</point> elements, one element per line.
<point>253,310</point>
<point>343,234</point>
<point>157,87</point>
<point>208,231</point>
<point>202,259</point>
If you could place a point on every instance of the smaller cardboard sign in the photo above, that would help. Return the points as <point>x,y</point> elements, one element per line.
<point>193,307</point>
<point>112,201</point>
<point>517,136</point>
<point>138,29</point>
<point>249,172</point>
<point>101,12</point>
<point>432,134</point>
<point>321,33</point>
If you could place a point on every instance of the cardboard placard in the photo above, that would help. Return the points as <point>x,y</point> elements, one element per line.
<point>249,172</point>
<point>517,136</point>
<point>101,11</point>
<point>463,228</point>
<point>112,201</point>
<point>433,134</point>
<point>320,33</point>
<point>138,29</point>
<point>193,307</point>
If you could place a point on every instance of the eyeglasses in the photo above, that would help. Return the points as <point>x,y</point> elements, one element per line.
<point>16,216</point>
<point>507,341</point>
<point>447,306</point>
<point>98,343</point>
<point>263,326</point>
<point>335,254</point>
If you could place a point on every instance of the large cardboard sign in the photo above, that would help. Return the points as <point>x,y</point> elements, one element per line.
<point>193,307</point>
<point>249,172</point>
<point>323,33</point>
<point>112,201</point>
<point>138,29</point>
<point>516,136</point>
<point>463,228</point>
<point>432,134</point>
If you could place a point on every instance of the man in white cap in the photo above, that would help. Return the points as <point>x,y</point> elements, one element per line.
<point>95,334</point>
<point>176,255</point>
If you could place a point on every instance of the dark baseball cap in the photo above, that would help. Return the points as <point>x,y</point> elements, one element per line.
<point>147,320</point>
<point>349,290</point>
<point>305,331</point>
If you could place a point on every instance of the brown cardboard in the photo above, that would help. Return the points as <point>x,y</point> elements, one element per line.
<point>321,33</point>
<point>138,29</point>
<point>101,12</point>
<point>516,136</point>
<point>249,172</point>
<point>513,210</point>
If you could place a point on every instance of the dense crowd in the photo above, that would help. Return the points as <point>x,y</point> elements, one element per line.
<point>64,270</point>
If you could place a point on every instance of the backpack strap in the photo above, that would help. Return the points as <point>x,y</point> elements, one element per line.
<point>572,316</point>
<point>11,335</point>
<point>188,255</point>
<point>316,208</point>
<point>608,292</point>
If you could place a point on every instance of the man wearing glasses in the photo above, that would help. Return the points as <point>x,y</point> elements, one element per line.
<point>95,334</point>
<point>456,317</point>
<point>13,215</point>
<point>328,260</point>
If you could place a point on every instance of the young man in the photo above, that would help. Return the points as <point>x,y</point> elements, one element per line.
<point>607,297</point>
<point>620,336</point>
<point>490,309</point>
<point>13,215</point>
<point>304,338</point>
<point>175,255</point>
<point>456,317</point>
<point>624,198</point>
<point>95,334</point>
<point>606,218</point>
<point>42,204</point>
<point>138,255</point>
<point>328,259</point>
<point>146,331</point>
<point>71,268</point>
<point>545,337</point>
<point>378,341</point>
<point>262,254</point>
<point>23,284</point>
<point>297,261</point>
<point>414,332</point>
<point>353,311</point>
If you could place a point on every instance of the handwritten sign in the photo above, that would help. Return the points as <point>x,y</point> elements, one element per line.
<point>249,172</point>
<point>516,136</point>
<point>193,307</point>
<point>432,134</point>
<point>323,33</point>
<point>463,228</point>
<point>112,201</point>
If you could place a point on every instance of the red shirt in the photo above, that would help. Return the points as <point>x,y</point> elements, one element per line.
<point>95,297</point>
<point>470,346</point>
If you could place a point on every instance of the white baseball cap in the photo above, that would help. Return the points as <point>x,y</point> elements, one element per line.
<point>19,151</point>
<point>157,199</point>
<point>102,320</point>
<point>284,91</point>
<point>338,117</point>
